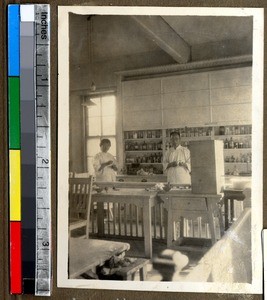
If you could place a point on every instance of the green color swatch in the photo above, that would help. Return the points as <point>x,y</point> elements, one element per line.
<point>14,112</point>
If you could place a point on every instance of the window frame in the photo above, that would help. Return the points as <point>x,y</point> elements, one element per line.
<point>101,136</point>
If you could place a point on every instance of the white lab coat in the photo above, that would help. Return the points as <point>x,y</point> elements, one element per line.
<point>106,174</point>
<point>177,174</point>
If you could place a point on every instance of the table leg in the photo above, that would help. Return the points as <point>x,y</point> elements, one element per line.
<point>170,223</point>
<point>147,228</point>
<point>100,218</point>
<point>211,221</point>
<point>232,210</point>
<point>226,217</point>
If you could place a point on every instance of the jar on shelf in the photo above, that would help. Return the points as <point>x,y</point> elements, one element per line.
<point>231,143</point>
<point>221,130</point>
<point>159,145</point>
<point>136,146</point>
<point>144,146</point>
<point>226,144</point>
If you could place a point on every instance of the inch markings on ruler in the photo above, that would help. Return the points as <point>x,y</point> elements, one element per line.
<point>42,128</point>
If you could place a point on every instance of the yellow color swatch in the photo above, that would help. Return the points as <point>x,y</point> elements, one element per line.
<point>15,185</point>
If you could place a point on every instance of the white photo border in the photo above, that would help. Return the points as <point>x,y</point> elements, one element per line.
<point>257,156</point>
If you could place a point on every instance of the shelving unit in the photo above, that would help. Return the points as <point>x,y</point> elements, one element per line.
<point>237,148</point>
<point>146,148</point>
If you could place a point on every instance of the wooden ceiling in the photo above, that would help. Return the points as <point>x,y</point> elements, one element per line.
<point>101,45</point>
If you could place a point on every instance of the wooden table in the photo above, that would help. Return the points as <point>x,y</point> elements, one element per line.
<point>231,195</point>
<point>183,203</point>
<point>139,197</point>
<point>86,254</point>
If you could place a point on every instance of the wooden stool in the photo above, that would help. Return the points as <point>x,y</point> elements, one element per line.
<point>128,273</point>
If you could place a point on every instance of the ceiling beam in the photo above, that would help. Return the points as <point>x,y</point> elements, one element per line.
<point>165,37</point>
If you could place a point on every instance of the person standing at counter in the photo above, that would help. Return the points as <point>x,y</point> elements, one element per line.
<point>176,161</point>
<point>104,163</point>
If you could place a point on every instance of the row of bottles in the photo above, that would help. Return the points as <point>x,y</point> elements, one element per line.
<point>241,158</point>
<point>143,134</point>
<point>145,146</point>
<point>233,130</point>
<point>237,143</point>
<point>192,131</point>
<point>150,159</point>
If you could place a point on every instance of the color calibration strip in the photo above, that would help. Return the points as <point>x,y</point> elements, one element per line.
<point>28,153</point>
<point>14,149</point>
<point>29,148</point>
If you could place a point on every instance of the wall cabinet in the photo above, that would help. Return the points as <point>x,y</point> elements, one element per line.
<point>145,149</point>
<point>196,104</point>
<point>214,97</point>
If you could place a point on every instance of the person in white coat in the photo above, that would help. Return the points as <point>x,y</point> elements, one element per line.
<point>105,167</point>
<point>176,161</point>
<point>104,163</point>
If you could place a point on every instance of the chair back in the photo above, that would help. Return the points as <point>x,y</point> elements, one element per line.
<point>80,193</point>
<point>81,175</point>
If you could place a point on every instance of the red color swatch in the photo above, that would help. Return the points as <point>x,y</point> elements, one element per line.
<point>15,258</point>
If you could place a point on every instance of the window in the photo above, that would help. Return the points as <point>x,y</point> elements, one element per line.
<point>100,123</point>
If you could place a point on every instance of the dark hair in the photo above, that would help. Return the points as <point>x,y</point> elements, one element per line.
<point>105,141</point>
<point>175,133</point>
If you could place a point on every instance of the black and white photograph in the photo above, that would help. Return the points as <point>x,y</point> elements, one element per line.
<point>160,148</point>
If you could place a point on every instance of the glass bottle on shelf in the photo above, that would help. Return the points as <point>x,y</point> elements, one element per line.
<point>226,144</point>
<point>136,147</point>
<point>141,134</point>
<point>135,135</point>
<point>231,143</point>
<point>144,146</point>
<point>126,146</point>
<point>149,134</point>
<point>221,130</point>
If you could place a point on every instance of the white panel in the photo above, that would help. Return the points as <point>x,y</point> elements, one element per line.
<point>230,77</point>
<point>141,87</point>
<point>234,113</point>
<point>152,102</point>
<point>27,13</point>
<point>231,95</point>
<point>186,116</point>
<point>188,82</point>
<point>142,120</point>
<point>186,99</point>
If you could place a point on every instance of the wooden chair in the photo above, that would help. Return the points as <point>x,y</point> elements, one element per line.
<point>81,175</point>
<point>80,193</point>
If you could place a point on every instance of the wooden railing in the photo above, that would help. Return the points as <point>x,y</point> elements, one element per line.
<point>126,220</point>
